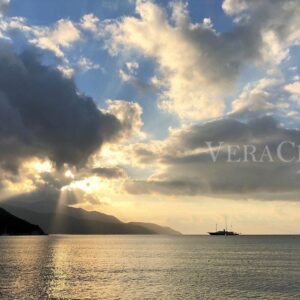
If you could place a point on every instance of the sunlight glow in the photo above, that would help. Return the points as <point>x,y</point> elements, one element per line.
<point>39,165</point>
<point>69,174</point>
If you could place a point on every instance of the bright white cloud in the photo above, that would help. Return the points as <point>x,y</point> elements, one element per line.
<point>66,71</point>
<point>62,35</point>
<point>54,38</point>
<point>262,96</point>
<point>89,22</point>
<point>293,88</point>
<point>198,66</point>
<point>232,7</point>
<point>180,71</point>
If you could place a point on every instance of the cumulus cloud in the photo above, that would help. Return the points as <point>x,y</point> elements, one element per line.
<point>44,120</point>
<point>90,22</point>
<point>233,7</point>
<point>43,114</point>
<point>50,132</point>
<point>265,96</point>
<point>293,88</point>
<point>62,35</point>
<point>198,65</point>
<point>56,38</point>
<point>129,114</point>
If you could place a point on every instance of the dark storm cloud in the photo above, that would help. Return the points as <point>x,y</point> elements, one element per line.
<point>43,114</point>
<point>188,168</point>
<point>256,130</point>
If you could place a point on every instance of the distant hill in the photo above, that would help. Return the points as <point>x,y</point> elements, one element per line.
<point>70,220</point>
<point>156,228</point>
<point>12,225</point>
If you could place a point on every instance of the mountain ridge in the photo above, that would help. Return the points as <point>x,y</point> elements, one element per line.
<point>70,220</point>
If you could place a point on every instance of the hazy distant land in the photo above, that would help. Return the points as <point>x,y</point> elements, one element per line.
<point>70,220</point>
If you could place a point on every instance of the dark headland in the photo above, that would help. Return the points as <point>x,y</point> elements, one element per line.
<point>12,225</point>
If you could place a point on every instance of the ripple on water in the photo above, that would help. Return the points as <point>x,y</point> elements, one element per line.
<point>150,267</point>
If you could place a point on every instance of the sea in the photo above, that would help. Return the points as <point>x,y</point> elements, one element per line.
<point>149,267</point>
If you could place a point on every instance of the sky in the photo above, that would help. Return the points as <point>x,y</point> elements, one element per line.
<point>111,105</point>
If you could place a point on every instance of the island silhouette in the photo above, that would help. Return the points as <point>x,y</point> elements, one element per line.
<point>12,225</point>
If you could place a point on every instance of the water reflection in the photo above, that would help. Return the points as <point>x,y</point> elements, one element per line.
<point>149,267</point>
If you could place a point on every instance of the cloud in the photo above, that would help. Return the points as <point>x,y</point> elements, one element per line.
<point>56,38</point>
<point>141,85</point>
<point>85,64</point>
<point>262,97</point>
<point>129,114</point>
<point>199,66</point>
<point>62,35</point>
<point>47,199</point>
<point>132,66</point>
<point>44,115</point>
<point>293,88</point>
<point>3,6</point>
<point>44,119</point>
<point>125,77</point>
<point>113,172</point>
<point>82,65</point>
<point>128,75</point>
<point>66,71</point>
<point>233,7</point>
<point>89,22</point>
<point>67,185</point>
<point>184,165</point>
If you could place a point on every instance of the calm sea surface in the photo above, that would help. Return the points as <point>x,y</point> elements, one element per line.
<point>150,267</point>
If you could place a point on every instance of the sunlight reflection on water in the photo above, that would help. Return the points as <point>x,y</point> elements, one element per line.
<point>150,267</point>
